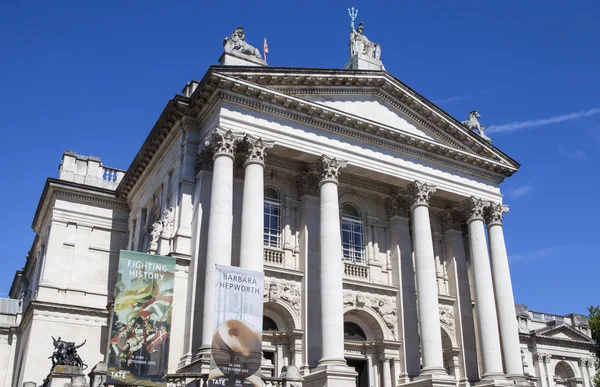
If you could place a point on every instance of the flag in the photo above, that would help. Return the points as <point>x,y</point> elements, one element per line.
<point>265,49</point>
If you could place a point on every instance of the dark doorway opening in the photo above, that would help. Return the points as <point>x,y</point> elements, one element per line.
<point>361,367</point>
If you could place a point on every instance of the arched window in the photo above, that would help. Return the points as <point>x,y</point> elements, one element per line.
<point>272,230</point>
<point>352,234</point>
<point>269,324</point>
<point>353,332</point>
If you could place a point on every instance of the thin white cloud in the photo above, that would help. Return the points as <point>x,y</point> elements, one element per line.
<point>517,192</point>
<point>529,256</point>
<point>575,155</point>
<point>465,96</point>
<point>518,125</point>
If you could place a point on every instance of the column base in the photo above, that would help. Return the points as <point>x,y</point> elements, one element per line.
<point>432,380</point>
<point>495,381</point>
<point>331,373</point>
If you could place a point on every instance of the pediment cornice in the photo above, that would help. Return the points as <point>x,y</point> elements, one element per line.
<point>382,84</point>
<point>276,102</point>
<point>547,334</point>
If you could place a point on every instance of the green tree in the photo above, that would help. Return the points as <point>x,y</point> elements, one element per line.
<point>594,322</point>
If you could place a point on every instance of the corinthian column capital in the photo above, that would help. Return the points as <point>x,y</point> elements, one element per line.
<point>420,193</point>
<point>452,220</point>
<point>257,148</point>
<point>329,168</point>
<point>223,142</point>
<point>494,213</point>
<point>473,208</point>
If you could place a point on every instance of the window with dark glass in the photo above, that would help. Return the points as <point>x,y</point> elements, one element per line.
<point>352,234</point>
<point>272,230</point>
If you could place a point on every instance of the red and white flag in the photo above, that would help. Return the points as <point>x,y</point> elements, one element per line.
<point>265,49</point>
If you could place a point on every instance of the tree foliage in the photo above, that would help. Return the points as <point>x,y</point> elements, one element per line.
<point>594,323</point>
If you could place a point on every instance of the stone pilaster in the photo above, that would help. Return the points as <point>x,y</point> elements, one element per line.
<point>251,245</point>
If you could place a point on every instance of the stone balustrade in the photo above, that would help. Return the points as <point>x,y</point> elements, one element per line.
<point>356,271</point>
<point>88,170</point>
<point>273,257</point>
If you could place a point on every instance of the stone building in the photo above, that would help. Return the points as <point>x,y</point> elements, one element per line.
<point>367,207</point>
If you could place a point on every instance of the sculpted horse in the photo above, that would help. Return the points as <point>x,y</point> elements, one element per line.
<point>473,123</point>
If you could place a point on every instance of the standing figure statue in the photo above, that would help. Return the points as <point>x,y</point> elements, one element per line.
<point>359,44</point>
<point>237,42</point>
<point>65,353</point>
<point>473,123</point>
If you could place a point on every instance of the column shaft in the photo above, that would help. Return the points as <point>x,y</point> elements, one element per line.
<point>489,340</point>
<point>427,292</point>
<point>218,248</point>
<point>386,373</point>
<point>251,245</point>
<point>332,299</point>
<point>505,302</point>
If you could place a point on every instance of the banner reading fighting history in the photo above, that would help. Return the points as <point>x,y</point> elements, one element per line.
<point>141,320</point>
<point>237,338</point>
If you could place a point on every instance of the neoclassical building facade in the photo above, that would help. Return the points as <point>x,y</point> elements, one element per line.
<point>375,216</point>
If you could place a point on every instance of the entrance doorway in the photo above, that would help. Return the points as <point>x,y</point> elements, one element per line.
<point>361,367</point>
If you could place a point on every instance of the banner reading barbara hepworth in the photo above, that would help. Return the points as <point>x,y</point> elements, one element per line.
<point>237,338</point>
<point>141,320</point>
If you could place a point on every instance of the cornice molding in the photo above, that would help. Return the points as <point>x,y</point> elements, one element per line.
<point>423,150</point>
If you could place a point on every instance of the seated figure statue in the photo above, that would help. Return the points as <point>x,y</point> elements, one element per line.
<point>360,45</point>
<point>237,43</point>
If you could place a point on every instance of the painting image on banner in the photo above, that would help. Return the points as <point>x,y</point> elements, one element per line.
<point>237,338</point>
<point>141,320</point>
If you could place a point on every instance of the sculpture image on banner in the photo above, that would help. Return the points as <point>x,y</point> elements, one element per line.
<point>237,338</point>
<point>141,320</point>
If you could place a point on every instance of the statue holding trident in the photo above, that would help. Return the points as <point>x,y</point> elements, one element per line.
<point>359,44</point>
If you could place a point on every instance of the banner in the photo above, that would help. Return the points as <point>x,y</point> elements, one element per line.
<point>138,352</point>
<point>237,338</point>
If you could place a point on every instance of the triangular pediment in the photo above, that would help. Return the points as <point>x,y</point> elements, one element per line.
<point>563,332</point>
<point>373,108</point>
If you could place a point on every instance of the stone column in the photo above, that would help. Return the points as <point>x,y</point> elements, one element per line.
<point>218,249</point>
<point>505,301</point>
<point>332,298</point>
<point>386,372</point>
<point>427,291</point>
<point>485,306</point>
<point>332,369</point>
<point>251,245</point>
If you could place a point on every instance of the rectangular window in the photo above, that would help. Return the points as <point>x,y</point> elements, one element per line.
<point>352,240</point>
<point>272,235</point>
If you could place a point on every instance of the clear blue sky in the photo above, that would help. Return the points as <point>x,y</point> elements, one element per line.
<point>93,76</point>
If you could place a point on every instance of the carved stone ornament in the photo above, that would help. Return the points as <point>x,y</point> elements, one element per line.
<point>420,193</point>
<point>447,317</point>
<point>204,159</point>
<point>307,183</point>
<point>451,220</point>
<point>283,291</point>
<point>474,208</point>
<point>495,213</point>
<point>330,168</point>
<point>237,43</point>
<point>384,306</point>
<point>65,353</point>
<point>543,357</point>
<point>257,149</point>
<point>168,220</point>
<point>156,230</point>
<point>223,142</point>
<point>397,205</point>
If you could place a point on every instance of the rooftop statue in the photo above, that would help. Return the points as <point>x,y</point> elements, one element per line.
<point>237,43</point>
<point>473,123</point>
<point>65,353</point>
<point>359,44</point>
